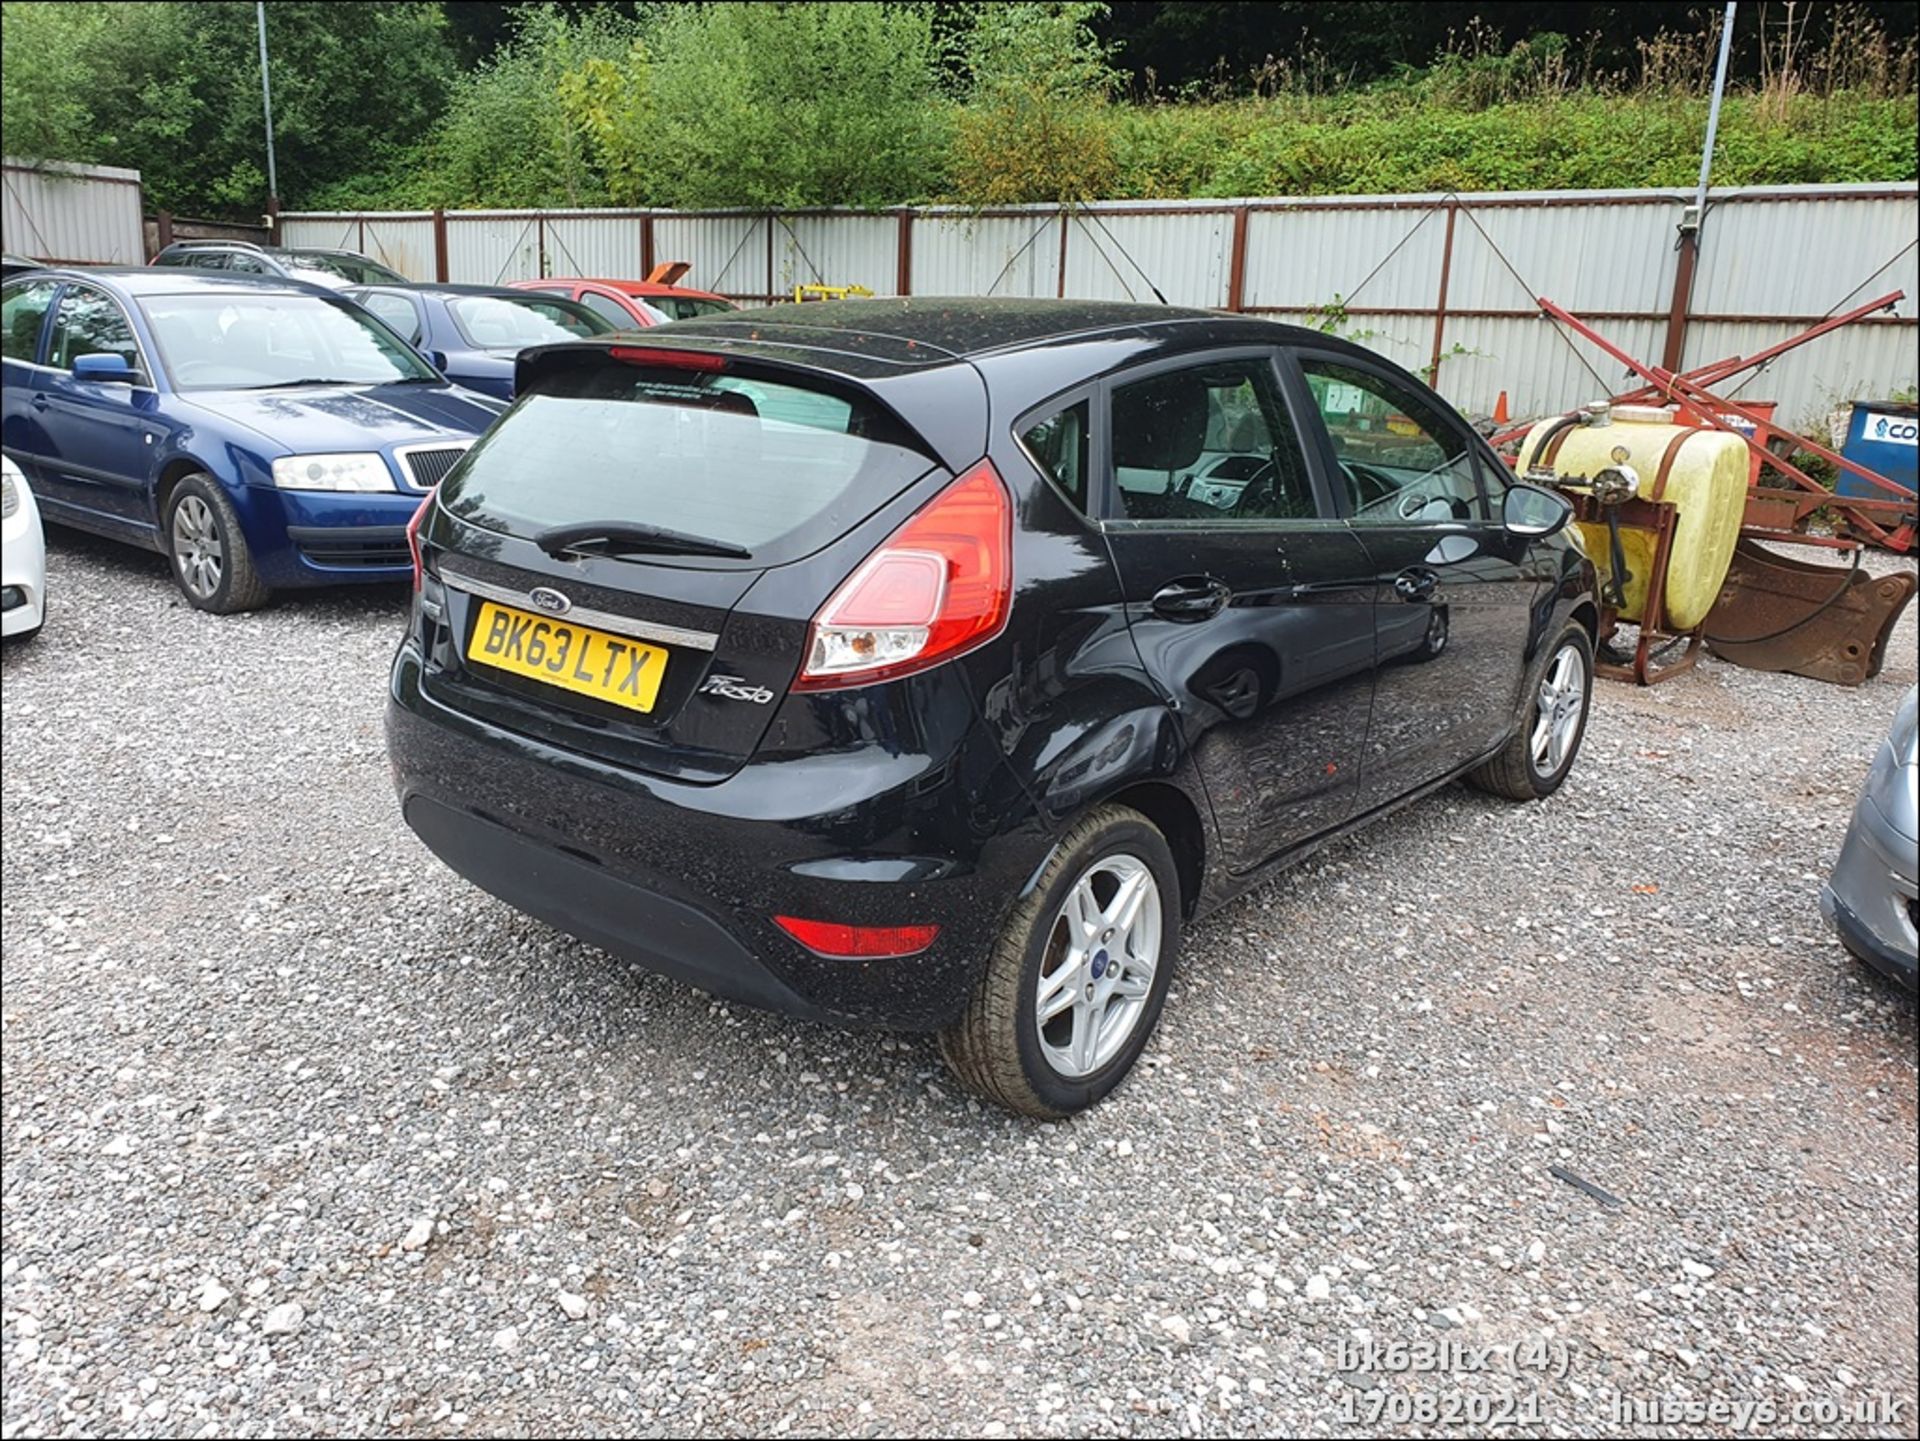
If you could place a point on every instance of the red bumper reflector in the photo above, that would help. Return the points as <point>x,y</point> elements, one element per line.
<point>850,943</point>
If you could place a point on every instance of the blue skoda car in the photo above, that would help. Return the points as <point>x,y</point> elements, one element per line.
<point>261,433</point>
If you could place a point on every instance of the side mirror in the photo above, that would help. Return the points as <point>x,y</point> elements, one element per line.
<point>1534,511</point>
<point>438,360</point>
<point>103,368</point>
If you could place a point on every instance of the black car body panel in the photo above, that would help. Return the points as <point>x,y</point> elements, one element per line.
<point>1325,687</point>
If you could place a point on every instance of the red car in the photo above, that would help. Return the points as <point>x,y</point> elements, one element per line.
<point>630,303</point>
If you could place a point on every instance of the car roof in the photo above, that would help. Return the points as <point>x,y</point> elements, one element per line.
<point>920,331</point>
<point>228,243</point>
<point>450,288</point>
<point>907,352</point>
<point>641,288</point>
<point>135,280</point>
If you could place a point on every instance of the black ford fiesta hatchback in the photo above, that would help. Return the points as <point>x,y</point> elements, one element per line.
<point>933,663</point>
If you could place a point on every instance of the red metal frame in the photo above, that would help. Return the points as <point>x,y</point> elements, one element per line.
<point>1718,370</point>
<point>1778,513</point>
<point>1655,637</point>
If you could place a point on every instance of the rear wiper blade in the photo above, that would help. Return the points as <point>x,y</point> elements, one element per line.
<point>618,536</point>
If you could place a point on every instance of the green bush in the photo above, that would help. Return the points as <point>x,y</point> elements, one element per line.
<point>1578,141</point>
<point>507,138</point>
<point>1038,125</point>
<point>872,104</point>
<point>795,104</point>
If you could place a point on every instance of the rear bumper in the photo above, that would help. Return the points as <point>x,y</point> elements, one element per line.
<point>685,879</point>
<point>625,914</point>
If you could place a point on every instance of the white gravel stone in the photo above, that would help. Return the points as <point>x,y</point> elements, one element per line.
<point>284,1319</point>
<point>573,1304</point>
<point>258,1012</point>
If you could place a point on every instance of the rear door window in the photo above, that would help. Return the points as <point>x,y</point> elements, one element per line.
<point>1211,441</point>
<point>775,465</point>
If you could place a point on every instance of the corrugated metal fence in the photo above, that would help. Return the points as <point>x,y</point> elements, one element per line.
<point>1434,281</point>
<point>89,214</point>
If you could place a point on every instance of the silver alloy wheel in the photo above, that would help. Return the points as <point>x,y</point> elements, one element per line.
<point>1099,964</point>
<point>197,550</point>
<point>1556,725</point>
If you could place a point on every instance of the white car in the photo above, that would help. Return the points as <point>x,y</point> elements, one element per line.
<point>23,557</point>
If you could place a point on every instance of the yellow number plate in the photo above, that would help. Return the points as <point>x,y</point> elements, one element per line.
<point>607,667</point>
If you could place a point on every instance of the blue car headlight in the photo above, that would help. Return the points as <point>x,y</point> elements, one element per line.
<point>354,470</point>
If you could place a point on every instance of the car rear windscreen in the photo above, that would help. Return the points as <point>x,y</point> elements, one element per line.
<point>775,466</point>
<point>686,307</point>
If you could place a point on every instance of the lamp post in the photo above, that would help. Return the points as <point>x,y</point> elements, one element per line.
<point>266,97</point>
<point>1688,249</point>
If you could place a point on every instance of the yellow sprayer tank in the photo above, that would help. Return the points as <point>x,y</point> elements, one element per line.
<point>1701,473</point>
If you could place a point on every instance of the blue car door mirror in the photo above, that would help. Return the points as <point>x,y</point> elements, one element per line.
<point>103,367</point>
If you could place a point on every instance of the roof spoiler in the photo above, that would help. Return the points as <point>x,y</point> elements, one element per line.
<point>668,272</point>
<point>539,362</point>
<point>948,433</point>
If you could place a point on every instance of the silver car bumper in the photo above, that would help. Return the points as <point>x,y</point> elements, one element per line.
<point>1870,900</point>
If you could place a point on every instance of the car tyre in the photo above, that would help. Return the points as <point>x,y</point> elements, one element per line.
<point>208,551</point>
<point>1535,763</point>
<point>1074,939</point>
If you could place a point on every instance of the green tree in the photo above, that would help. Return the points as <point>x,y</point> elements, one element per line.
<point>795,104</point>
<point>47,79</point>
<point>1038,124</point>
<point>510,136</point>
<point>173,89</point>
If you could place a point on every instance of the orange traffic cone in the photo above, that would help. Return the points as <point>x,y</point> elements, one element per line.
<point>1500,416</point>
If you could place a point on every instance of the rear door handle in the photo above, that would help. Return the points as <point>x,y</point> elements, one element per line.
<point>39,402</point>
<point>1415,584</point>
<point>1191,598</point>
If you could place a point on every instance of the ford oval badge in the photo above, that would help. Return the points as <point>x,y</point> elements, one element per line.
<point>546,598</point>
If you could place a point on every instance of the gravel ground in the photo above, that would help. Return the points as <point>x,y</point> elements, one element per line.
<point>304,1135</point>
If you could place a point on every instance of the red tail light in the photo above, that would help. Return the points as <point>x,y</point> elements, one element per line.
<point>678,359</point>
<point>847,943</point>
<point>413,533</point>
<point>940,586</point>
